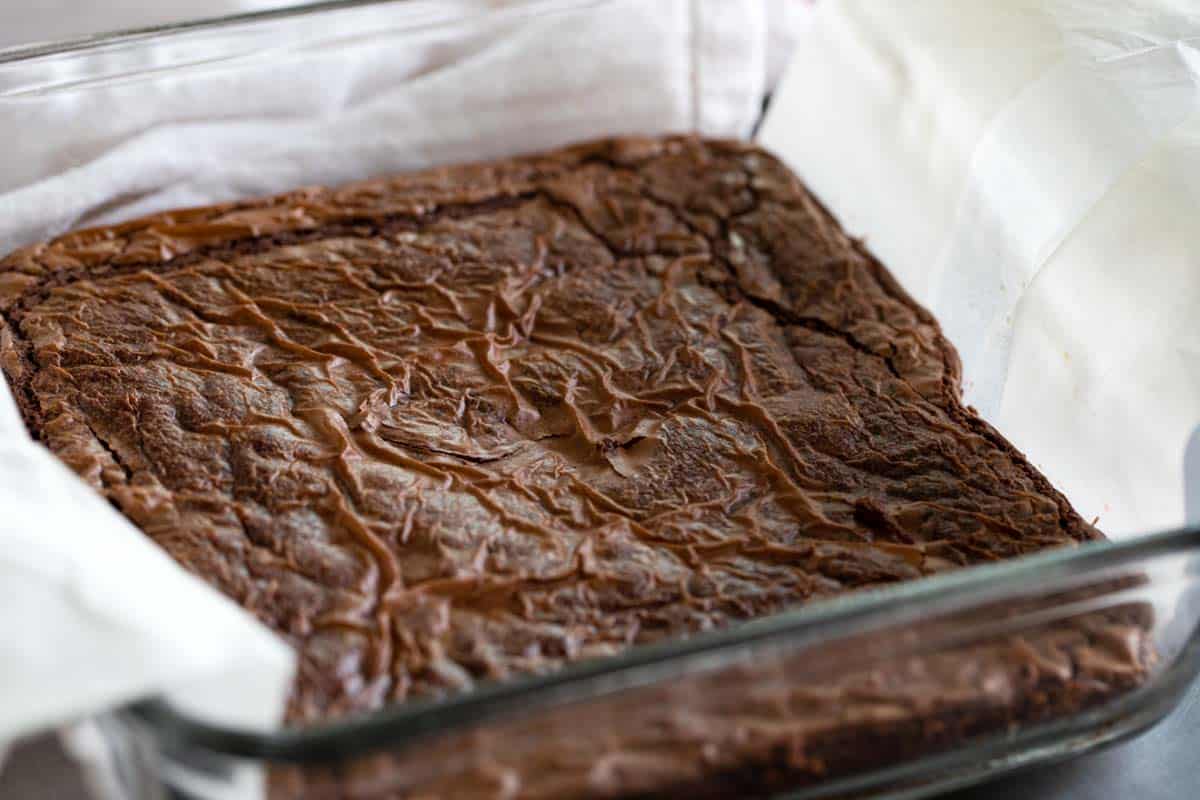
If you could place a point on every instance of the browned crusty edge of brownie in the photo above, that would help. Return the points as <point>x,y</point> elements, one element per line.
<point>486,420</point>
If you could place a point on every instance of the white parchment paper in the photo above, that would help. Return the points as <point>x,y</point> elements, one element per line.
<point>1031,172</point>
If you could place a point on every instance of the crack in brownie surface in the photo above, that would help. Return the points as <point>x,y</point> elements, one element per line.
<point>487,420</point>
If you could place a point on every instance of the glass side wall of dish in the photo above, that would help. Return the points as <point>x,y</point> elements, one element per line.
<point>1076,663</point>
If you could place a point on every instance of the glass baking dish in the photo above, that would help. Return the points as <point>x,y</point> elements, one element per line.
<point>876,664</point>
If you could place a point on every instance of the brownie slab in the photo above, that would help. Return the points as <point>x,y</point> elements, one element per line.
<point>487,420</point>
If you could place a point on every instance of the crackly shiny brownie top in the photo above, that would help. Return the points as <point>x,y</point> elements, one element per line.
<point>485,420</point>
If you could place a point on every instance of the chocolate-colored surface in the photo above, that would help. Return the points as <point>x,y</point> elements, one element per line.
<point>486,420</point>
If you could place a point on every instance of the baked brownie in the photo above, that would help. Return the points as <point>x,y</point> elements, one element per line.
<point>483,421</point>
